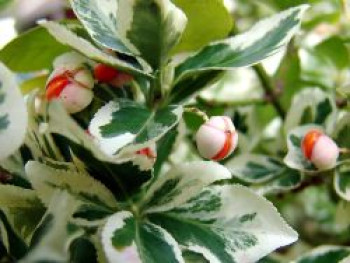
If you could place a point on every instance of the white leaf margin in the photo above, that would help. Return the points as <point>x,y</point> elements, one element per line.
<point>46,180</point>
<point>252,36</point>
<point>193,176</point>
<point>14,107</point>
<point>309,98</point>
<point>110,146</point>
<point>67,37</point>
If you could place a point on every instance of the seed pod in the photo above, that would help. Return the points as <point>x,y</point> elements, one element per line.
<point>73,87</point>
<point>320,150</point>
<point>107,74</point>
<point>217,138</point>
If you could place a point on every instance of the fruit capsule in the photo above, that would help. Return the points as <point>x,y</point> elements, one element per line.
<point>217,138</point>
<point>72,87</point>
<point>106,74</point>
<point>320,150</point>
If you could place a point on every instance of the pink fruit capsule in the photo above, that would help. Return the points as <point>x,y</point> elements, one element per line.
<point>217,138</point>
<point>320,150</point>
<point>72,87</point>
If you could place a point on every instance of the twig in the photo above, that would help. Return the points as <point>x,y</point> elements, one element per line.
<point>229,104</point>
<point>198,112</point>
<point>267,85</point>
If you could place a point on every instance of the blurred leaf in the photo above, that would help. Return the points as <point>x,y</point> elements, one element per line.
<point>342,181</point>
<point>253,168</point>
<point>325,254</point>
<point>13,114</point>
<point>334,50</point>
<point>32,51</point>
<point>311,106</point>
<point>205,24</point>
<point>29,85</point>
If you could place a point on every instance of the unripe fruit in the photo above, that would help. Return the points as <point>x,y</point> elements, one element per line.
<point>72,87</point>
<point>148,152</point>
<point>217,138</point>
<point>320,150</point>
<point>107,74</point>
<point>104,73</point>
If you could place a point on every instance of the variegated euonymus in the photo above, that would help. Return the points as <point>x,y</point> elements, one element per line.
<point>101,159</point>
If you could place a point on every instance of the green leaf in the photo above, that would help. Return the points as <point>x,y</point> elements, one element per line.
<point>146,28</point>
<point>125,239</point>
<point>32,51</point>
<point>121,123</point>
<point>189,86</point>
<point>46,180</point>
<point>82,251</point>
<point>181,183</point>
<point>342,181</point>
<point>266,38</point>
<point>17,197</point>
<point>227,224</point>
<point>208,20</point>
<point>165,147</point>
<point>335,50</point>
<point>295,158</point>
<point>13,115</point>
<point>341,132</point>
<point>253,168</point>
<point>32,84</point>
<point>311,106</point>
<point>325,254</point>
<point>63,35</point>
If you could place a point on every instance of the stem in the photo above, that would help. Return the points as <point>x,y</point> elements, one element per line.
<point>229,104</point>
<point>198,112</point>
<point>344,151</point>
<point>268,87</point>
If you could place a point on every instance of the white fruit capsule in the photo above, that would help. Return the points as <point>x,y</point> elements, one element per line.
<point>217,138</point>
<point>320,150</point>
<point>72,84</point>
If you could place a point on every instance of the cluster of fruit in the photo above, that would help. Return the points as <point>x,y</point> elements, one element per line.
<point>72,83</point>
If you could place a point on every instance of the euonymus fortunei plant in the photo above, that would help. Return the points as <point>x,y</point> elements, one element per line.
<point>94,160</point>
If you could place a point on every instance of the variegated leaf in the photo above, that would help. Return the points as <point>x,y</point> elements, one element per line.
<point>51,240</point>
<point>311,106</point>
<point>329,254</point>
<point>67,37</point>
<point>341,134</point>
<point>46,180</point>
<point>13,115</point>
<point>227,224</point>
<point>295,158</point>
<point>81,146</point>
<point>17,197</point>
<point>101,21</point>
<point>181,183</point>
<point>289,179</point>
<point>124,239</point>
<point>253,168</point>
<point>147,28</point>
<point>342,181</point>
<point>121,123</point>
<point>265,39</point>
<point>10,239</point>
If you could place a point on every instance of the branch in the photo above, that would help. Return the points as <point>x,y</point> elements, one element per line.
<point>268,87</point>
